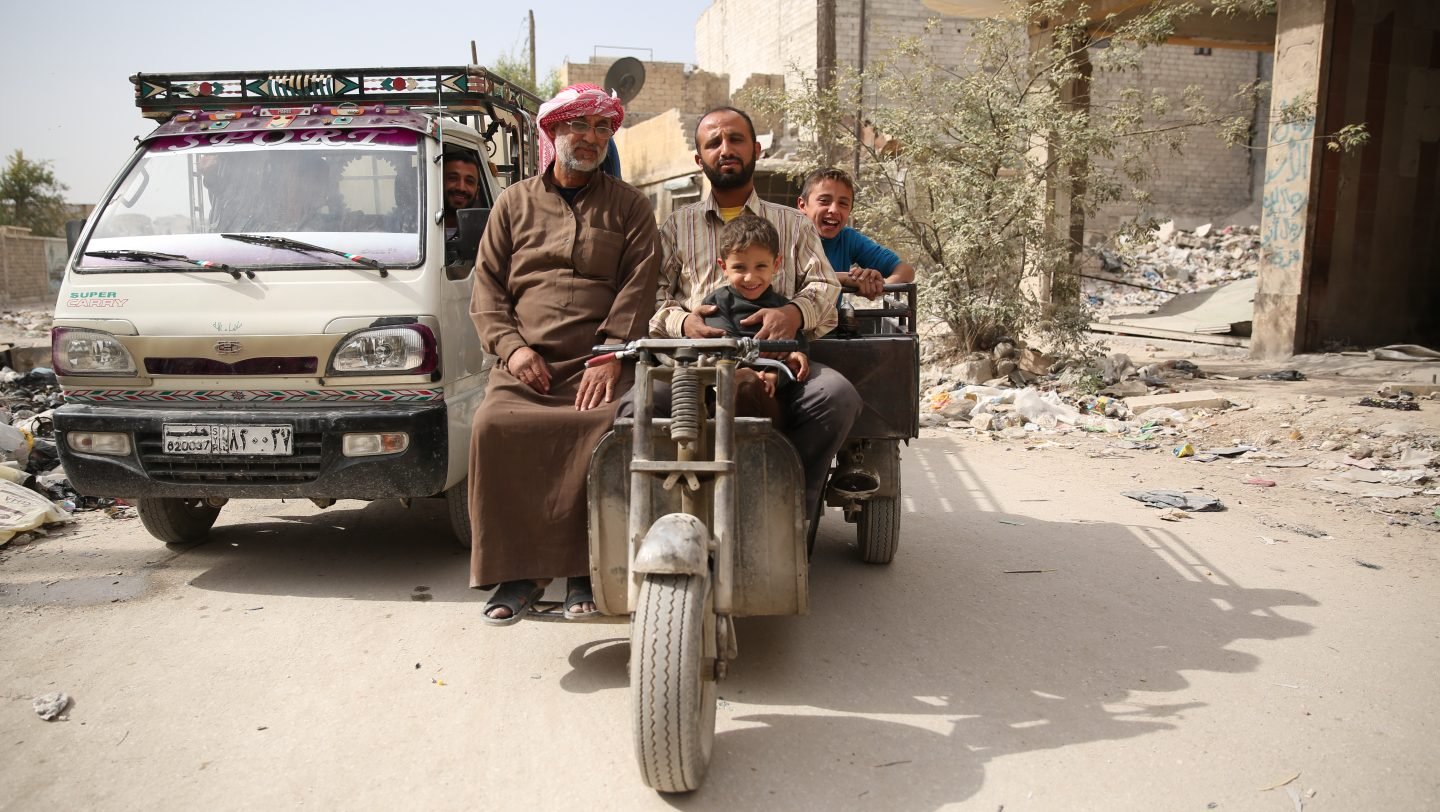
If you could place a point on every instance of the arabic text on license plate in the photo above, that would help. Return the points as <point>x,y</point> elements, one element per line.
<point>212,439</point>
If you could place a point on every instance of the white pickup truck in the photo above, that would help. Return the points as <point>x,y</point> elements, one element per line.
<point>267,303</point>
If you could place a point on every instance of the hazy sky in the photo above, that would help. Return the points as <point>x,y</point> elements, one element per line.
<point>66,95</point>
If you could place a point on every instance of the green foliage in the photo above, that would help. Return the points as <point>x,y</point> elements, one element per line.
<point>517,70</point>
<point>963,170</point>
<point>31,197</point>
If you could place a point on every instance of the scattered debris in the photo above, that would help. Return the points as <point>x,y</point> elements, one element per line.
<point>1351,488</point>
<point>1404,352</point>
<point>1397,403</point>
<point>1203,399</point>
<point>1176,499</point>
<point>1024,572</point>
<point>1417,390</point>
<point>1185,450</point>
<point>1263,483</point>
<point>1279,784</point>
<point>1367,565</point>
<point>51,706</point>
<point>1281,375</point>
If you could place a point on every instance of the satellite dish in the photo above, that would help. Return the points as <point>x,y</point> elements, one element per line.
<point>625,78</point>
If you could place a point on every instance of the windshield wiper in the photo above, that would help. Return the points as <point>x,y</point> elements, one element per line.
<point>156,256</point>
<point>296,245</point>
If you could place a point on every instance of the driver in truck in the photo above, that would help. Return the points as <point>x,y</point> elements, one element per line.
<point>462,186</point>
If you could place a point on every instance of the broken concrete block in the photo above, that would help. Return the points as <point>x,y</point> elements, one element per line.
<point>1035,362</point>
<point>1202,399</point>
<point>975,370</point>
<point>983,422</point>
<point>1004,367</point>
<point>1390,390</point>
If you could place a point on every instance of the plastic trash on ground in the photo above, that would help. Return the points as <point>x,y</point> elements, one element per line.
<point>22,509</point>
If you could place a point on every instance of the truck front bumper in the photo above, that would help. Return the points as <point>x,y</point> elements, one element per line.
<point>317,468</point>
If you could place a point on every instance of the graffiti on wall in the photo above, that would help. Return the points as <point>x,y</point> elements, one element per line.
<point>1287,191</point>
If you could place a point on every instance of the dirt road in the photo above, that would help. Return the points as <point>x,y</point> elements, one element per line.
<point>1040,643</point>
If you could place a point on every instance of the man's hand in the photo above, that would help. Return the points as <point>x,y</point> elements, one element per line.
<point>530,369</point>
<point>866,282</point>
<point>597,385</point>
<point>695,326</point>
<point>799,364</point>
<point>779,323</point>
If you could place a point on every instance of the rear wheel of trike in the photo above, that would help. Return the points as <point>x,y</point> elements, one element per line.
<point>177,521</point>
<point>672,681</point>
<point>879,527</point>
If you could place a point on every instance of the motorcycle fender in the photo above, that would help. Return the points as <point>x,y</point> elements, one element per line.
<point>676,544</point>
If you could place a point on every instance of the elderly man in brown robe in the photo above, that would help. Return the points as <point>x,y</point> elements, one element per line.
<point>569,260</point>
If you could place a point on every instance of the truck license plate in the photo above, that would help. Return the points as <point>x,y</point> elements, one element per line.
<point>218,440</point>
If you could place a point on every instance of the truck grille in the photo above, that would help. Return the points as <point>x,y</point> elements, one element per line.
<point>302,466</point>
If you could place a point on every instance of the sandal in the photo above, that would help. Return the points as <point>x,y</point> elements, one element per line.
<point>517,596</point>
<point>578,591</point>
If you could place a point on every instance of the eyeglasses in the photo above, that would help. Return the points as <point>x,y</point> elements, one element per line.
<point>580,126</point>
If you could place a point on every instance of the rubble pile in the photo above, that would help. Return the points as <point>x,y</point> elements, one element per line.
<point>1118,409</point>
<point>1175,261</point>
<point>26,323</point>
<point>28,456</point>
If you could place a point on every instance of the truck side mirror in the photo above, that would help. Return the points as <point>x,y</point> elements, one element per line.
<point>72,234</point>
<point>462,248</point>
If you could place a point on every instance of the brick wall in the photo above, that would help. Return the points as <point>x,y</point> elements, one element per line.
<point>668,85</point>
<point>1206,180</point>
<point>29,266</point>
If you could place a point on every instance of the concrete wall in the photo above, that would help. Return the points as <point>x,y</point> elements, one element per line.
<point>30,267</point>
<point>1205,182</point>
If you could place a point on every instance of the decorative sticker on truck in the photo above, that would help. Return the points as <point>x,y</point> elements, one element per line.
<point>272,138</point>
<point>254,395</point>
<point>95,299</point>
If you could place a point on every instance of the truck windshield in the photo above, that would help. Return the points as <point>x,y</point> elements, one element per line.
<point>357,191</point>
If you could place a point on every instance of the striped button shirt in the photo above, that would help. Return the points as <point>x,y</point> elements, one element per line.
<point>690,242</point>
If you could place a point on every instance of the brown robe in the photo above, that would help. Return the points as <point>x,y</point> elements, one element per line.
<point>558,277</point>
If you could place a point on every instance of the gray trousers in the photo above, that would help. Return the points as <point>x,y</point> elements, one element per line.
<point>819,412</point>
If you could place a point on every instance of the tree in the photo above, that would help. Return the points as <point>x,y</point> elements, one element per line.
<point>31,197</point>
<point>517,70</point>
<point>963,169</point>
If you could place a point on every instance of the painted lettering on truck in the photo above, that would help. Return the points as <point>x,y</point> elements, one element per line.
<point>95,298</point>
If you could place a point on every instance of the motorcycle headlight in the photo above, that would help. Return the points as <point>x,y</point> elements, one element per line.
<point>408,348</point>
<point>76,351</point>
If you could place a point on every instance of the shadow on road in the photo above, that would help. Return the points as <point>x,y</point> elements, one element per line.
<point>373,551</point>
<point>905,680</point>
<point>991,634</point>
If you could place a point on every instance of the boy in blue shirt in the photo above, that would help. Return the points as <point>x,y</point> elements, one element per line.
<point>826,198</point>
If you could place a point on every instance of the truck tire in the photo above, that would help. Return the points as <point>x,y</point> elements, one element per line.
<point>177,521</point>
<point>673,698</point>
<point>457,507</point>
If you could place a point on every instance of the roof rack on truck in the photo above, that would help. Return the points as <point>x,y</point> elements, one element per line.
<point>467,88</point>
<point>238,100</point>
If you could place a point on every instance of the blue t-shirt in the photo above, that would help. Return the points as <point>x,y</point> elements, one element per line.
<point>850,247</point>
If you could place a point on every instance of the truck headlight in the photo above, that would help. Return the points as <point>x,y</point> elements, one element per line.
<point>78,351</point>
<point>407,348</point>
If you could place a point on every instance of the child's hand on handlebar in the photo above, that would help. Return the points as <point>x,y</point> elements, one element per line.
<point>866,282</point>
<point>799,363</point>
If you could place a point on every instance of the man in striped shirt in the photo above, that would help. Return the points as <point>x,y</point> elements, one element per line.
<point>820,410</point>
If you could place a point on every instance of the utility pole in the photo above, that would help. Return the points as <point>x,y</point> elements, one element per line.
<point>533,79</point>
<point>825,67</point>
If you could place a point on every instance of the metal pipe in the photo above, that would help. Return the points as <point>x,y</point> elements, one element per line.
<point>724,521</point>
<point>641,448</point>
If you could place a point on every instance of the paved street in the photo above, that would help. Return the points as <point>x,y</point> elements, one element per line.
<point>334,659</point>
